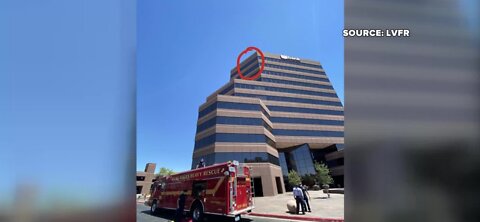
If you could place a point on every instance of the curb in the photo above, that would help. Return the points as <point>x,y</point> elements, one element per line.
<point>319,219</point>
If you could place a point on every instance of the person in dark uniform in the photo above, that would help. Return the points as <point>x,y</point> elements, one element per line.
<point>201,164</point>
<point>306,197</point>
<point>180,206</point>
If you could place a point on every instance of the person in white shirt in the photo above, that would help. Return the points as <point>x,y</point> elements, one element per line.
<point>298,194</point>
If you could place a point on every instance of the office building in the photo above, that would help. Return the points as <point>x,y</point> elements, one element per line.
<point>145,179</point>
<point>284,120</point>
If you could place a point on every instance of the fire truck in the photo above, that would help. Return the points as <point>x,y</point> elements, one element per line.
<point>221,189</point>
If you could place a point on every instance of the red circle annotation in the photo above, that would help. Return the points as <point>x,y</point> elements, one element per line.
<point>253,77</point>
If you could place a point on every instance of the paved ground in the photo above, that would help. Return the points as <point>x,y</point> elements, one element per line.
<point>143,215</point>
<point>321,206</point>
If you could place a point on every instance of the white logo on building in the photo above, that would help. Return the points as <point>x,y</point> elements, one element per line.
<point>288,57</point>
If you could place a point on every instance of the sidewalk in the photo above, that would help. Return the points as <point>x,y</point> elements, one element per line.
<point>330,209</point>
<point>323,209</point>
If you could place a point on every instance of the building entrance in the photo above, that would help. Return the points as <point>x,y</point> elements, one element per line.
<point>279,185</point>
<point>258,188</point>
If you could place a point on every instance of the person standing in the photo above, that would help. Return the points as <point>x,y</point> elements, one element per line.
<point>180,206</point>
<point>306,197</point>
<point>325,190</point>
<point>298,194</point>
<point>201,164</point>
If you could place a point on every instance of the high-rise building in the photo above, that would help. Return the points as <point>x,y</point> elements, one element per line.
<point>285,120</point>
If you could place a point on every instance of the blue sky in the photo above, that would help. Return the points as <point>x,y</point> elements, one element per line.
<point>185,51</point>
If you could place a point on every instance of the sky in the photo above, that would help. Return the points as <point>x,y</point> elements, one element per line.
<point>185,51</point>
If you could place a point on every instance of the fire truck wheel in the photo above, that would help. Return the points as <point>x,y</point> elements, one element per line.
<point>197,212</point>
<point>153,208</point>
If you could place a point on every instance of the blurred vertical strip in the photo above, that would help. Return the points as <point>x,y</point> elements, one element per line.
<point>67,110</point>
<point>412,112</point>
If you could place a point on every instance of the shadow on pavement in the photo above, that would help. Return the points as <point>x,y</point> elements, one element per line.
<point>167,215</point>
<point>170,215</point>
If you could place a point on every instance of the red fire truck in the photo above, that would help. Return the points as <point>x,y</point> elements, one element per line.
<point>222,189</point>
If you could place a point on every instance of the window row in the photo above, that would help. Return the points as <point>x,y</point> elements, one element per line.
<point>275,73</point>
<point>288,82</point>
<point>285,90</point>
<point>290,99</point>
<point>233,137</point>
<point>226,90</point>
<point>242,157</point>
<point>306,121</point>
<point>314,133</point>
<point>246,106</point>
<point>242,68</point>
<point>294,69</point>
<point>228,105</point>
<point>233,121</point>
<point>246,157</point>
<point>305,110</point>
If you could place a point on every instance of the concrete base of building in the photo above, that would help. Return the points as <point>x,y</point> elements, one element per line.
<point>267,179</point>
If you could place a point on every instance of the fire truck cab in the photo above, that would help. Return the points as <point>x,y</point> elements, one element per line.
<point>222,189</point>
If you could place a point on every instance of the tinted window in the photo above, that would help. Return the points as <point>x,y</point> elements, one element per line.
<point>285,90</point>
<point>226,90</point>
<point>228,105</point>
<point>290,99</point>
<point>229,121</point>
<point>306,121</point>
<point>305,110</point>
<point>285,132</point>
<point>294,69</point>
<point>289,82</point>
<point>207,110</point>
<point>205,141</point>
<point>302,160</point>
<point>283,163</point>
<point>233,137</point>
<point>242,68</point>
<point>242,106</point>
<point>246,157</point>
<point>247,138</point>
<point>277,73</point>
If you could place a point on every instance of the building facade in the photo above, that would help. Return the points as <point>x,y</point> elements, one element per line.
<point>145,179</point>
<point>284,120</point>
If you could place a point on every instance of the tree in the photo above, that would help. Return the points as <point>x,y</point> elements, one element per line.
<point>323,174</point>
<point>293,178</point>
<point>308,180</point>
<point>164,172</point>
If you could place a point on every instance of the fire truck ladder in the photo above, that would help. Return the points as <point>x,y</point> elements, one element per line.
<point>252,183</point>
